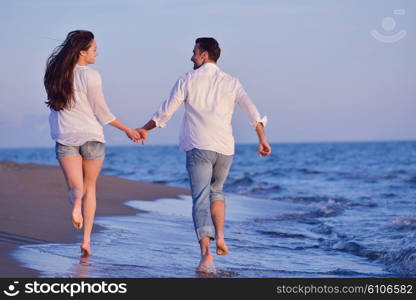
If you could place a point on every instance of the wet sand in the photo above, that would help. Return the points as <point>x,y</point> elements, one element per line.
<point>35,209</point>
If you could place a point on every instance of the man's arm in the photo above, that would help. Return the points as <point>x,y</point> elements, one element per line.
<point>166,110</point>
<point>255,120</point>
<point>143,131</point>
<point>149,125</point>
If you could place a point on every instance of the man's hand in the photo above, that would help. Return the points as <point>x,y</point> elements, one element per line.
<point>133,135</point>
<point>142,133</point>
<point>264,148</point>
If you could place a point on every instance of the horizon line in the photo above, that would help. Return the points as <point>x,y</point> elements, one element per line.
<point>243,143</point>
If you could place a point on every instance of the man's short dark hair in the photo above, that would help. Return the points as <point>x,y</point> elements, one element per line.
<point>210,45</point>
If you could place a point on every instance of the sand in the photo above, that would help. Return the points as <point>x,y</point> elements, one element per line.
<point>35,208</point>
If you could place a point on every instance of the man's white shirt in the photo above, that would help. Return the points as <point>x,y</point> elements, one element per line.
<point>209,95</point>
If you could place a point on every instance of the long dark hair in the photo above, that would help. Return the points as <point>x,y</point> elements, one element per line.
<point>59,74</point>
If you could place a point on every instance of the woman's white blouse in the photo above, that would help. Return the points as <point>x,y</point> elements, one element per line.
<point>84,121</point>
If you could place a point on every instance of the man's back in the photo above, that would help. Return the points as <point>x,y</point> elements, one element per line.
<point>210,96</point>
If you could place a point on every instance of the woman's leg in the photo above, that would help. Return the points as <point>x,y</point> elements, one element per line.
<point>91,170</point>
<point>72,168</point>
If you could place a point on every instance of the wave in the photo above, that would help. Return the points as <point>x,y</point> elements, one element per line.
<point>308,171</point>
<point>350,247</point>
<point>110,170</point>
<point>321,212</point>
<point>281,234</point>
<point>366,176</point>
<point>262,189</point>
<point>281,217</point>
<point>402,261</point>
<point>322,229</point>
<point>389,195</point>
<point>323,200</point>
<point>402,223</point>
<point>327,211</point>
<point>247,186</point>
<point>160,181</point>
<point>353,248</point>
<point>244,181</point>
<point>343,272</point>
<point>411,179</point>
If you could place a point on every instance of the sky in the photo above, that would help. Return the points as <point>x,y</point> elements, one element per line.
<point>313,67</point>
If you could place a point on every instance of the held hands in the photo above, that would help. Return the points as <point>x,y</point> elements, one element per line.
<point>133,135</point>
<point>264,148</point>
<point>142,133</point>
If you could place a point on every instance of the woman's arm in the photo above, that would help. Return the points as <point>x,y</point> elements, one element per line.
<point>99,106</point>
<point>131,133</point>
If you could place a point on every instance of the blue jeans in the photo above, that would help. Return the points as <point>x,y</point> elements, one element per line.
<point>207,171</point>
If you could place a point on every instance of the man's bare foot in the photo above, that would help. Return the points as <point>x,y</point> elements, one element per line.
<point>222,248</point>
<point>206,264</point>
<point>76,217</point>
<point>85,250</point>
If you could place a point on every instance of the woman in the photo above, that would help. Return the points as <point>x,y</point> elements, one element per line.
<point>78,112</point>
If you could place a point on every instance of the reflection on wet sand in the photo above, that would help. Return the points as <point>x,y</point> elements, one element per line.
<point>82,269</point>
<point>216,273</point>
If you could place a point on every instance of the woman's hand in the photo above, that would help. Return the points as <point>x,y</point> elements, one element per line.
<point>133,135</point>
<point>142,133</point>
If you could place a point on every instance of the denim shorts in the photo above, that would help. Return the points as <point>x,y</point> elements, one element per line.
<point>92,150</point>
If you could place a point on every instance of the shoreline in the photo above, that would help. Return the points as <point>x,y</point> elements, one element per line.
<point>35,208</point>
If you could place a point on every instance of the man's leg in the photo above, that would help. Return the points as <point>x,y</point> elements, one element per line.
<point>219,176</point>
<point>218,216</point>
<point>199,166</point>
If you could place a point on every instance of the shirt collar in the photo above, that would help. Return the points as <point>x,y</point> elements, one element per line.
<point>210,65</point>
<point>79,66</point>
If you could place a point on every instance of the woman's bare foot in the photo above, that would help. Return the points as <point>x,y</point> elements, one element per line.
<point>76,217</point>
<point>222,248</point>
<point>85,249</point>
<point>84,260</point>
<point>206,264</point>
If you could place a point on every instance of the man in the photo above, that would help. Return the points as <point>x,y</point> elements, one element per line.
<point>209,96</point>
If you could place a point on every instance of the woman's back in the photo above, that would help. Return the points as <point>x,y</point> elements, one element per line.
<point>83,121</point>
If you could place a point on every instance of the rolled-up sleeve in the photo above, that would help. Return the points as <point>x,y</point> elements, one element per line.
<point>96,98</point>
<point>171,105</point>
<point>248,106</point>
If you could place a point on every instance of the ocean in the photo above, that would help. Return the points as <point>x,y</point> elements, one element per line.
<point>308,210</point>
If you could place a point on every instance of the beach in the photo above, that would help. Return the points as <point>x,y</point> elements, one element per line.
<point>35,208</point>
<point>309,210</point>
